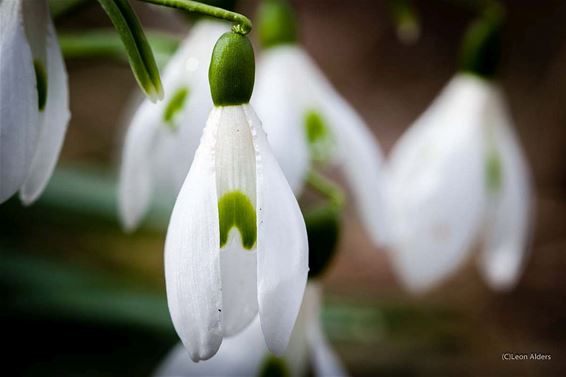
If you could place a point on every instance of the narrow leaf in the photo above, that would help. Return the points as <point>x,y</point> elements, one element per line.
<point>139,52</point>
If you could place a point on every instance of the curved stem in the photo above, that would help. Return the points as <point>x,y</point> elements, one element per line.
<point>326,187</point>
<point>139,52</point>
<point>242,24</point>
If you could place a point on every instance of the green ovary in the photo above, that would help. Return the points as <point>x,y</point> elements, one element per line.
<point>493,171</point>
<point>41,84</point>
<point>175,105</point>
<point>236,210</point>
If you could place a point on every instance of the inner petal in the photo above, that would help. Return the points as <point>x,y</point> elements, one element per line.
<point>236,179</point>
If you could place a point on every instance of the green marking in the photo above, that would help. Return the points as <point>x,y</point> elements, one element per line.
<point>176,104</point>
<point>236,210</point>
<point>493,171</point>
<point>318,136</point>
<point>274,367</point>
<point>41,84</point>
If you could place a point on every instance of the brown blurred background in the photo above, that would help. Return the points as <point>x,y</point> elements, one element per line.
<point>461,328</point>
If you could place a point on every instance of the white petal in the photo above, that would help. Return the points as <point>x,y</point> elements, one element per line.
<point>278,103</point>
<point>323,359</point>
<point>56,117</point>
<point>192,260</point>
<point>437,185</point>
<point>510,210</point>
<point>358,152</point>
<point>136,182</point>
<point>187,69</point>
<point>157,155</point>
<point>297,354</point>
<point>282,247</point>
<point>19,114</point>
<point>362,161</point>
<point>241,355</point>
<point>236,173</point>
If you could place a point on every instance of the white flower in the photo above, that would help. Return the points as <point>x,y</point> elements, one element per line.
<point>308,121</point>
<point>459,178</point>
<point>236,243</point>
<point>34,99</point>
<point>162,137</point>
<point>246,354</point>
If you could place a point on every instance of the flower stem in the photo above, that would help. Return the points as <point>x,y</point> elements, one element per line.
<point>326,187</point>
<point>242,24</point>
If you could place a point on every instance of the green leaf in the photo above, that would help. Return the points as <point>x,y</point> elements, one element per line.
<point>139,52</point>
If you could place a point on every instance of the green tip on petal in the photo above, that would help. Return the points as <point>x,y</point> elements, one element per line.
<point>494,172</point>
<point>236,210</point>
<point>274,367</point>
<point>41,83</point>
<point>277,23</point>
<point>481,48</point>
<point>232,70</point>
<point>318,135</point>
<point>175,105</point>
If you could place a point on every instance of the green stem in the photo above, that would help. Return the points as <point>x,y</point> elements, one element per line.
<point>326,187</point>
<point>242,24</point>
<point>106,43</point>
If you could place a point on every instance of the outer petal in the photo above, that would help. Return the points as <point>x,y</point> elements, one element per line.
<point>192,260</point>
<point>136,182</point>
<point>277,99</point>
<point>437,186</point>
<point>19,114</point>
<point>358,152</point>
<point>55,120</point>
<point>282,247</point>
<point>159,153</point>
<point>241,355</point>
<point>323,359</point>
<point>199,46</point>
<point>509,225</point>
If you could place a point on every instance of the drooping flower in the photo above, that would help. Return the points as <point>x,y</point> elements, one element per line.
<point>162,137</point>
<point>34,99</point>
<point>458,179</point>
<point>246,354</point>
<point>309,123</point>
<point>236,243</point>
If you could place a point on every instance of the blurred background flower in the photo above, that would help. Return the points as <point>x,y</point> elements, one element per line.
<point>80,298</point>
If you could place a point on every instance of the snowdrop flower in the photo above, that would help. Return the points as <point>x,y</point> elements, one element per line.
<point>246,354</point>
<point>308,122</point>
<point>34,99</point>
<point>236,243</point>
<point>458,178</point>
<point>162,137</point>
